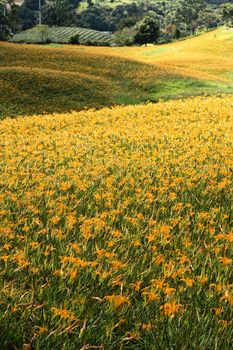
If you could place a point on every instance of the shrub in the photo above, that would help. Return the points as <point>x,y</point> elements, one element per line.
<point>125,37</point>
<point>75,39</point>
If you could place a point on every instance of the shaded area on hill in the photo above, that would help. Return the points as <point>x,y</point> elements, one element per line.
<point>46,79</point>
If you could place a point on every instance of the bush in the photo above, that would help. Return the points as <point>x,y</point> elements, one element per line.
<point>75,39</point>
<point>147,30</point>
<point>87,42</point>
<point>4,32</point>
<point>124,37</point>
<point>94,42</point>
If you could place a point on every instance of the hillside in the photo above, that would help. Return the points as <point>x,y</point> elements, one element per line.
<point>206,57</point>
<point>63,78</point>
<point>116,228</point>
<point>116,192</point>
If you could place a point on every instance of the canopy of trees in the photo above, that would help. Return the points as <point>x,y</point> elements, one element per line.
<point>172,19</point>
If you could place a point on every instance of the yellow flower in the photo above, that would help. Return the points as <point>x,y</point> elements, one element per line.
<point>147,326</point>
<point>7,246</point>
<point>169,291</point>
<point>55,219</point>
<point>188,281</point>
<point>5,258</point>
<point>225,260</point>
<point>117,300</point>
<point>136,243</point>
<point>151,296</point>
<point>227,296</point>
<point>116,264</point>
<point>136,286</point>
<point>171,308</point>
<point>63,313</point>
<point>42,330</point>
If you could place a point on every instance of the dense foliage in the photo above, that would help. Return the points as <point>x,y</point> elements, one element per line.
<point>175,18</point>
<point>9,18</point>
<point>227,11</point>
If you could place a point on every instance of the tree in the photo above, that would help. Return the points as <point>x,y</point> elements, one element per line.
<point>59,13</point>
<point>227,14</point>
<point>96,18</point>
<point>4,24</point>
<point>29,13</point>
<point>9,18</point>
<point>127,15</point>
<point>147,30</point>
<point>125,37</point>
<point>14,16</point>
<point>209,18</point>
<point>185,14</point>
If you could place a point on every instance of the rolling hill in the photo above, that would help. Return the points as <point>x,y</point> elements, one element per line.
<point>63,78</point>
<point>116,223</point>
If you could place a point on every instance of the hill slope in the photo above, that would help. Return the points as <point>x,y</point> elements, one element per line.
<point>47,79</point>
<point>208,56</point>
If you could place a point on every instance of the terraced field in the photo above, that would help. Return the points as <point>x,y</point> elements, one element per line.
<point>43,34</point>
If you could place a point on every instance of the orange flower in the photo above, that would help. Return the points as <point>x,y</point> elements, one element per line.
<point>5,258</point>
<point>171,308</point>
<point>225,260</point>
<point>151,296</point>
<point>117,300</point>
<point>63,313</point>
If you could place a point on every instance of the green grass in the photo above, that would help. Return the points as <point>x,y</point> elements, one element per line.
<point>184,87</point>
<point>54,46</point>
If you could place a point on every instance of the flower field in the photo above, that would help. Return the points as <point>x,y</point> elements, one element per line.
<point>116,228</point>
<point>64,78</point>
<point>206,57</point>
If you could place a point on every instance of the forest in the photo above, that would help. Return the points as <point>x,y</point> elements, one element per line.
<point>168,20</point>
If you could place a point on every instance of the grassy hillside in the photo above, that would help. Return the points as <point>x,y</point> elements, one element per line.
<point>43,34</point>
<point>63,78</point>
<point>116,228</point>
<point>206,57</point>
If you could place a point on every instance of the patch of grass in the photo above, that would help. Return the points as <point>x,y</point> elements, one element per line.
<point>157,51</point>
<point>54,46</point>
<point>184,87</point>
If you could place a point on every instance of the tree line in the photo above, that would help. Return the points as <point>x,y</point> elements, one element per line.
<point>133,23</point>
